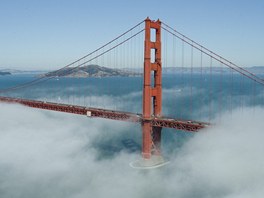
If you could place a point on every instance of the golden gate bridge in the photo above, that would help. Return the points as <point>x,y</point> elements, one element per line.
<point>160,57</point>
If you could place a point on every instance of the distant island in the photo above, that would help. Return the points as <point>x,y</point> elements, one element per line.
<point>90,71</point>
<point>99,71</point>
<point>4,73</point>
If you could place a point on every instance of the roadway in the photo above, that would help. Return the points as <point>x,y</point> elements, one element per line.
<point>185,125</point>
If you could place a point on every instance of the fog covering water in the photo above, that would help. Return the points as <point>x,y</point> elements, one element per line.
<point>51,154</point>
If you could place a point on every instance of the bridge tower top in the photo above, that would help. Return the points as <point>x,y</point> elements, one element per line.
<point>152,97</point>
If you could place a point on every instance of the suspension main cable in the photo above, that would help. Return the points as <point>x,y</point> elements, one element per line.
<point>218,58</point>
<point>99,55</point>
<point>45,78</point>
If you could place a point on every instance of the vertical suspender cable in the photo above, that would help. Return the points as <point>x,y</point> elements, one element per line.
<point>210,89</point>
<point>221,92</point>
<point>241,89</point>
<point>232,90</point>
<point>182,80</point>
<point>201,81</point>
<point>174,53</point>
<point>191,81</point>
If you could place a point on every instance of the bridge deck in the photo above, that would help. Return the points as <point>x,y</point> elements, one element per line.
<point>191,126</point>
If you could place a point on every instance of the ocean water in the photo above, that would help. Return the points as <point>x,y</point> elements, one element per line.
<point>188,93</point>
<point>200,97</point>
<point>51,154</point>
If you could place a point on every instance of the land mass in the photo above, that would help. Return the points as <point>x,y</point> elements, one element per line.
<point>215,70</point>
<point>4,73</point>
<point>90,71</point>
<point>98,71</point>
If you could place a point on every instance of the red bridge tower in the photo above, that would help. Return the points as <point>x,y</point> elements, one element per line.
<point>152,97</point>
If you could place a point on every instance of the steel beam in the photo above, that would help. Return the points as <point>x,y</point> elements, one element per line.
<point>190,126</point>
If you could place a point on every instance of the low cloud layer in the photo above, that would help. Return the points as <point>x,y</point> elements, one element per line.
<point>49,154</point>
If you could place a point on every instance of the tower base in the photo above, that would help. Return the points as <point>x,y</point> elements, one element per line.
<point>154,162</point>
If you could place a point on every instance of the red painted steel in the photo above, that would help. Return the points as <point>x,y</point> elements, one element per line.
<point>146,126</point>
<point>151,119</point>
<point>191,126</point>
<point>152,91</point>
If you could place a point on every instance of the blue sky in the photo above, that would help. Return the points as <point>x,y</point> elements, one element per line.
<point>44,34</point>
